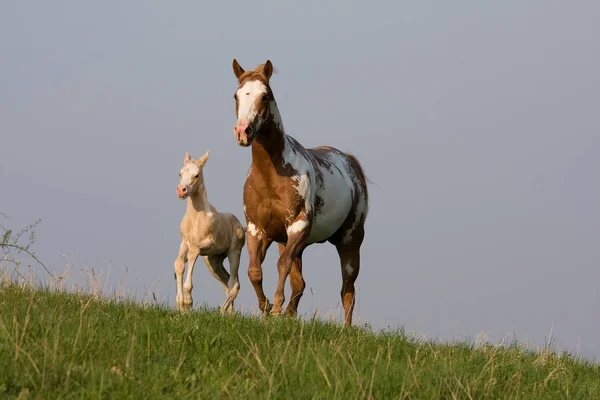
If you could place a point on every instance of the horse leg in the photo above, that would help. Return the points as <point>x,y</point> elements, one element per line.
<point>216,268</point>
<point>348,249</point>
<point>233,283</point>
<point>179,270</point>
<point>350,262</point>
<point>257,250</point>
<point>296,284</point>
<point>293,249</point>
<point>192,255</point>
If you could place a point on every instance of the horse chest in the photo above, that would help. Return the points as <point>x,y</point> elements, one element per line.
<point>269,211</point>
<point>200,235</point>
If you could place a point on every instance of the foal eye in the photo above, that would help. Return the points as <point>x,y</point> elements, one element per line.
<point>196,176</point>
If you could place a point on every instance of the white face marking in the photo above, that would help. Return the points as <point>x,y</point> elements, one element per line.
<point>247,96</point>
<point>349,269</point>
<point>297,226</point>
<point>189,171</point>
<point>251,228</point>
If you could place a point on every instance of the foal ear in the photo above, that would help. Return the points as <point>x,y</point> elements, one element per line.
<point>237,69</point>
<point>187,157</point>
<point>202,160</point>
<point>267,69</point>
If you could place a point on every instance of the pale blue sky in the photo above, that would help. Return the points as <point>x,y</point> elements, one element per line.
<point>477,121</point>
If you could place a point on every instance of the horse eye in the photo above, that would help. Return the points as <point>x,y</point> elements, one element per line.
<point>197,176</point>
<point>235,96</point>
<point>180,174</point>
<point>265,98</point>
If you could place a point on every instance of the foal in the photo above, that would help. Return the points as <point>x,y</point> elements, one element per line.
<point>208,233</point>
<point>295,196</point>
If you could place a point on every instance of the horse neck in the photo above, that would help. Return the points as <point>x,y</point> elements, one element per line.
<point>198,201</point>
<point>268,147</point>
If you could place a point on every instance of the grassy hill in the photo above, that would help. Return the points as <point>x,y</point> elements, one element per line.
<point>59,345</point>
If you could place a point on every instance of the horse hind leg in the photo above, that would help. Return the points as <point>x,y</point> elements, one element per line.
<point>233,282</point>
<point>216,268</point>
<point>350,263</point>
<point>348,242</point>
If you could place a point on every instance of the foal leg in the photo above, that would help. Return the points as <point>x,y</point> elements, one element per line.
<point>216,268</point>
<point>257,250</point>
<point>350,262</point>
<point>293,249</point>
<point>296,284</point>
<point>233,282</point>
<point>192,255</point>
<point>179,270</point>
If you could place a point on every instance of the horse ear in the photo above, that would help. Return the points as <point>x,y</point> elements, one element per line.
<point>237,69</point>
<point>187,157</point>
<point>267,69</point>
<point>202,160</point>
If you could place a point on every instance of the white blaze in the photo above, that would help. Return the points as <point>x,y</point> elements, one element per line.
<point>188,171</point>
<point>247,96</point>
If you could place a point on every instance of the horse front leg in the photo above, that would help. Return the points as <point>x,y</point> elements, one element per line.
<point>187,286</point>
<point>257,246</point>
<point>297,284</point>
<point>297,234</point>
<point>179,270</point>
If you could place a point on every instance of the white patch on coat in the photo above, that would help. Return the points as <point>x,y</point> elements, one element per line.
<point>305,178</point>
<point>349,269</point>
<point>336,193</point>
<point>297,226</point>
<point>252,229</point>
<point>276,116</point>
<point>247,96</point>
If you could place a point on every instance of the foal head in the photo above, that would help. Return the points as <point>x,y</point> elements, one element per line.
<point>190,176</point>
<point>253,99</point>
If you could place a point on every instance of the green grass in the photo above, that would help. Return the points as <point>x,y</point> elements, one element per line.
<point>57,345</point>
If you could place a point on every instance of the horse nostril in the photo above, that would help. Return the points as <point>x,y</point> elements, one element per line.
<point>248,130</point>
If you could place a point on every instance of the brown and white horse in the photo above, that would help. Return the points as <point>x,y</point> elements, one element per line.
<point>295,196</point>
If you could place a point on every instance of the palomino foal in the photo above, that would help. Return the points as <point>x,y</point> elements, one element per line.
<point>207,233</point>
<point>295,196</point>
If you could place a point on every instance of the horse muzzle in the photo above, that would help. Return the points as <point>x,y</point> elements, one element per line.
<point>182,191</point>
<point>244,133</point>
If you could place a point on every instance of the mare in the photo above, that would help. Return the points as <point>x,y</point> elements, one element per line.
<point>295,196</point>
